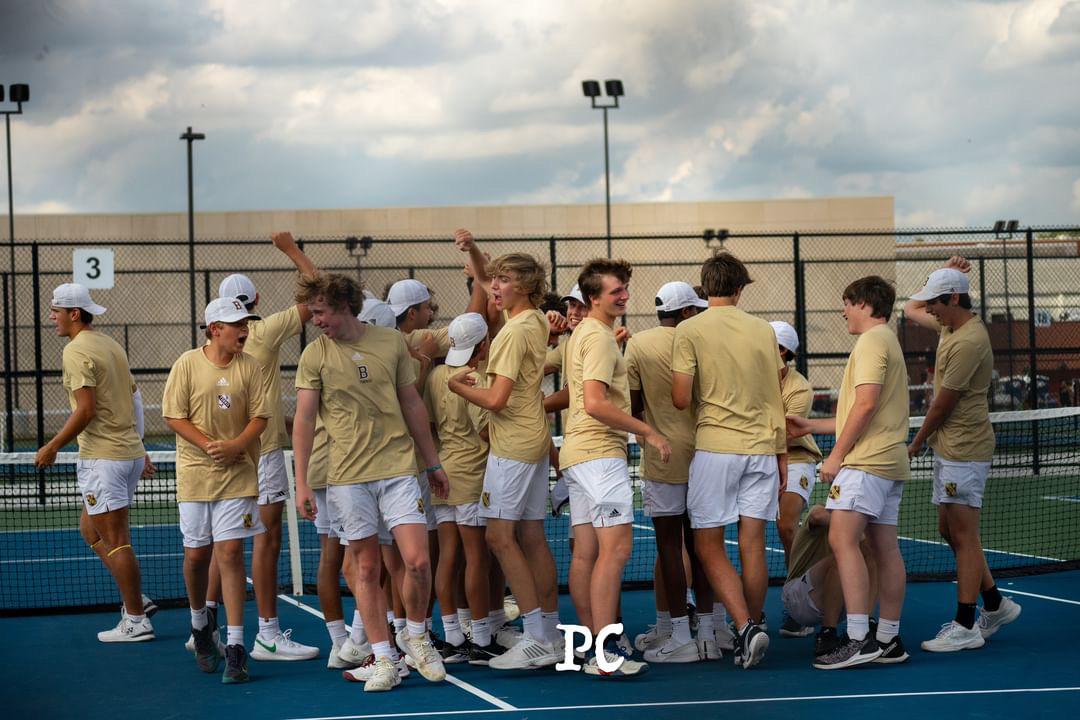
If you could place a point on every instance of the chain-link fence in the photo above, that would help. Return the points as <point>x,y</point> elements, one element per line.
<point>1025,286</point>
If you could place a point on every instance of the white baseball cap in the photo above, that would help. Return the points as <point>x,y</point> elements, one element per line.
<point>237,286</point>
<point>678,295</point>
<point>226,310</point>
<point>786,337</point>
<point>376,312</point>
<point>574,294</point>
<point>945,281</point>
<point>406,293</point>
<point>74,295</point>
<point>466,332</point>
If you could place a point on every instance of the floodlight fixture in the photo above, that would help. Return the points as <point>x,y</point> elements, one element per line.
<point>613,88</point>
<point>591,88</point>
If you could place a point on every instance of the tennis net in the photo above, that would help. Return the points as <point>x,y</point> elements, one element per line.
<point>1030,522</point>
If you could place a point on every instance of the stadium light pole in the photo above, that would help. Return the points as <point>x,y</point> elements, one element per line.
<point>614,90</point>
<point>191,137</point>
<point>18,94</point>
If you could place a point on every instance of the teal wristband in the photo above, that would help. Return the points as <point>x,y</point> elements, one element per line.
<point>433,468</point>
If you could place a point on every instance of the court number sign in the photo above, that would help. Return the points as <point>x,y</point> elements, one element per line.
<point>92,267</point>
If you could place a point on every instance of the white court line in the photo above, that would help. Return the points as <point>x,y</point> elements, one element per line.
<point>736,701</point>
<point>486,697</point>
<point>1009,590</point>
<point>985,550</point>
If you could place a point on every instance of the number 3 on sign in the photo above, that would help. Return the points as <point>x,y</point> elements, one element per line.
<point>92,267</point>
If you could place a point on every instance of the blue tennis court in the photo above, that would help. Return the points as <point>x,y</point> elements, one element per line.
<point>1029,669</point>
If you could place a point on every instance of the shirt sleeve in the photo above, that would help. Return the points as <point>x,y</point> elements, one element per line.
<point>506,353</point>
<point>870,360</point>
<point>554,357</point>
<point>633,373</point>
<point>258,403</point>
<point>683,357</point>
<point>406,368</point>
<point>280,327</point>
<point>176,400</point>
<point>598,357</point>
<point>797,400</point>
<point>958,367</point>
<point>309,369</point>
<point>79,369</point>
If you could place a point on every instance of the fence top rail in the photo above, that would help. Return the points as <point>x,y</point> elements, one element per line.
<point>1071,232</point>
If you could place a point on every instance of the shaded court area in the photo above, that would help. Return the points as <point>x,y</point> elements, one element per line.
<point>1030,669</point>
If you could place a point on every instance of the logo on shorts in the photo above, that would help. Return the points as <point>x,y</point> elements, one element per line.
<point>91,500</point>
<point>950,489</point>
<point>614,513</point>
<point>248,522</point>
<point>804,482</point>
<point>485,497</point>
<point>222,382</point>
<point>420,504</point>
<point>224,402</point>
<point>834,492</point>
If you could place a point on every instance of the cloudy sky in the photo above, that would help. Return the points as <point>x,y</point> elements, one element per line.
<point>964,111</point>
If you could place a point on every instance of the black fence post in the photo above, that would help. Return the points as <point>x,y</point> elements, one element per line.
<point>982,289</point>
<point>554,264</point>
<point>9,430</point>
<point>1033,390</point>
<point>39,388</point>
<point>802,363</point>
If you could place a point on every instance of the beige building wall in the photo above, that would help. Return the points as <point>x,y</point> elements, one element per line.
<point>149,305</point>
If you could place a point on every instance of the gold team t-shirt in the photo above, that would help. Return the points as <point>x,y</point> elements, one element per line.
<point>734,360</point>
<point>462,452</point>
<point>94,360</point>
<point>965,363</point>
<point>593,354</point>
<point>520,431</point>
<point>881,450</point>
<point>648,369</point>
<point>808,547</point>
<point>358,383</point>
<point>265,338</point>
<point>554,357</point>
<point>220,402</point>
<point>414,339</point>
<point>798,396</point>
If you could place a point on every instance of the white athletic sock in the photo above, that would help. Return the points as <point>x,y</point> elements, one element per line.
<point>389,617</point>
<point>399,624</point>
<point>337,632</point>
<point>705,626</point>
<point>211,604</point>
<point>200,618</point>
<point>452,629</point>
<point>382,650</point>
<point>551,631</point>
<point>497,618</point>
<point>235,635</point>
<point>887,630</point>
<point>416,629</point>
<point>268,628</point>
<point>135,618</point>
<point>719,614</point>
<point>534,625</point>
<point>663,623</point>
<point>680,630</point>
<point>481,632</point>
<point>464,617</point>
<point>357,634</point>
<point>858,626</point>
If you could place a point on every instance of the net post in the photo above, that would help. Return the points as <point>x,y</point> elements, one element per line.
<point>1033,388</point>
<point>293,528</point>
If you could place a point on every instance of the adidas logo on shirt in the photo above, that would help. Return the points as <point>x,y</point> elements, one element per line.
<point>222,382</point>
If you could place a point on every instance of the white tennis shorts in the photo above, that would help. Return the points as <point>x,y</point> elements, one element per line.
<point>202,523</point>
<point>600,492</point>
<point>724,487</point>
<point>865,493</point>
<point>515,490</point>
<point>960,483</point>
<point>273,480</point>
<point>358,508</point>
<point>107,485</point>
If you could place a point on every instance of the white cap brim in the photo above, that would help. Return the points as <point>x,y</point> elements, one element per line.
<point>458,356</point>
<point>925,294</point>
